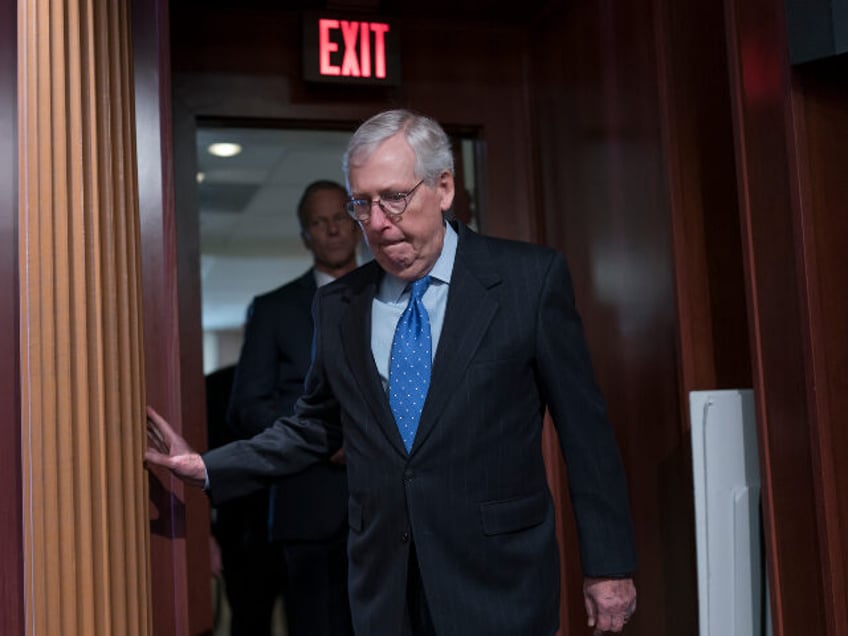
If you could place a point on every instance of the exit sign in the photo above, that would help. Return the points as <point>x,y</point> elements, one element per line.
<point>348,50</point>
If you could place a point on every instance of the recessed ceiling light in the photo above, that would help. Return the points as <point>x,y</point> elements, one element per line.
<point>201,176</point>
<point>224,149</point>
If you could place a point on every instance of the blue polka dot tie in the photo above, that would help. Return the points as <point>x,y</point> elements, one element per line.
<point>409,366</point>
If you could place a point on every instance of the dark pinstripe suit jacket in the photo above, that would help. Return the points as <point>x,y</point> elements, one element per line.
<point>471,496</point>
<point>275,357</point>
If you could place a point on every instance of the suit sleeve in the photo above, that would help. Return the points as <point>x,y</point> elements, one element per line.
<point>253,403</point>
<point>291,444</point>
<point>596,477</point>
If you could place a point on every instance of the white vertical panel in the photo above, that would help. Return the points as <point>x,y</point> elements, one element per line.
<point>731,583</point>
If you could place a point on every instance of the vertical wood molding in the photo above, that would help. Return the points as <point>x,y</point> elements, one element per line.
<point>179,525</point>
<point>82,435</point>
<point>697,140</point>
<point>763,119</point>
<point>820,148</point>
<point>11,543</point>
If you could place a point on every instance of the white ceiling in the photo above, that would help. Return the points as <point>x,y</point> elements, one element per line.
<point>249,234</point>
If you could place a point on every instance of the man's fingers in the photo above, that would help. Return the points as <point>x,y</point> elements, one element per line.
<point>160,424</point>
<point>154,436</point>
<point>590,611</point>
<point>156,458</point>
<point>189,468</point>
<point>162,436</point>
<point>168,450</point>
<point>604,622</point>
<point>609,603</point>
<point>610,622</point>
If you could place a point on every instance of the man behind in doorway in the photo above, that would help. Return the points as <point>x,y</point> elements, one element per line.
<point>433,366</point>
<point>306,517</point>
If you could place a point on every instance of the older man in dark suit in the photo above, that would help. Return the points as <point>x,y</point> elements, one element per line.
<point>433,367</point>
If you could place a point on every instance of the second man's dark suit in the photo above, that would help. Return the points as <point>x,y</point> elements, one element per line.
<point>307,511</point>
<point>471,496</point>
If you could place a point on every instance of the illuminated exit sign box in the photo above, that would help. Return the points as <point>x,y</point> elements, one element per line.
<point>360,50</point>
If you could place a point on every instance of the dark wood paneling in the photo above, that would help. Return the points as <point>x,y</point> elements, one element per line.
<point>11,519</point>
<point>471,77</point>
<point>180,562</point>
<point>193,393</point>
<point>598,126</point>
<point>475,77</point>
<point>763,121</point>
<point>701,177</point>
<point>821,108</point>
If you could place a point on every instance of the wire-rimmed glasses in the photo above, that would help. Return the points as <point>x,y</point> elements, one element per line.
<point>393,204</point>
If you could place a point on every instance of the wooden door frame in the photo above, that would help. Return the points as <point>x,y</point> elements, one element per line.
<point>11,517</point>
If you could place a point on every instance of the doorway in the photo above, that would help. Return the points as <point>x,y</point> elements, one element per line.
<point>248,183</point>
<point>249,180</point>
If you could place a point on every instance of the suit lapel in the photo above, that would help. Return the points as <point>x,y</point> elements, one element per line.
<point>356,339</point>
<point>469,311</point>
<point>307,281</point>
<point>307,288</point>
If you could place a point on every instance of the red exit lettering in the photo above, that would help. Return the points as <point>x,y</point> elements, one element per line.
<point>357,57</point>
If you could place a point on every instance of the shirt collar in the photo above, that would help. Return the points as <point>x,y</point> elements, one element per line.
<point>322,278</point>
<point>392,287</point>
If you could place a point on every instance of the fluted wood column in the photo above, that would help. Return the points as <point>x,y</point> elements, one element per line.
<point>84,491</point>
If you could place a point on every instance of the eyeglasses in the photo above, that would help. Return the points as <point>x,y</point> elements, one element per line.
<point>393,204</point>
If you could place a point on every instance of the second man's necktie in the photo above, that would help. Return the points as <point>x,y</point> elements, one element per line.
<point>410,362</point>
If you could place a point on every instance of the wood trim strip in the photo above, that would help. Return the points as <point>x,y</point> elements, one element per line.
<point>11,541</point>
<point>818,140</point>
<point>762,119</point>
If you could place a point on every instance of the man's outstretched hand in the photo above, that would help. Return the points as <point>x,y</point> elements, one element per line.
<point>609,603</point>
<point>167,449</point>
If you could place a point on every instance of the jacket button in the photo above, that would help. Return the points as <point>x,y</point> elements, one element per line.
<point>408,475</point>
<point>404,537</point>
